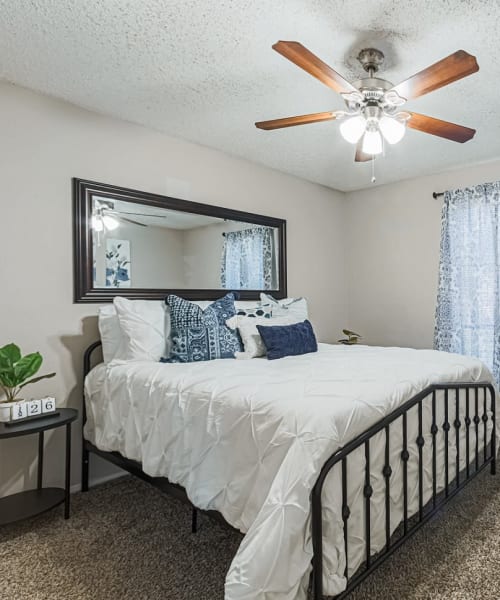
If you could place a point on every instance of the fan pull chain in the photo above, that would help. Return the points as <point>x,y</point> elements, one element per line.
<point>373,179</point>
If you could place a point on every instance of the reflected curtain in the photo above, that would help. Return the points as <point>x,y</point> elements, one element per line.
<point>468,311</point>
<point>248,259</point>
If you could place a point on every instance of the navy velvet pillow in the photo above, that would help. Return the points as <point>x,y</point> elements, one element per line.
<point>288,340</point>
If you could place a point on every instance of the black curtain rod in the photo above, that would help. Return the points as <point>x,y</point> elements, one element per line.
<point>436,195</point>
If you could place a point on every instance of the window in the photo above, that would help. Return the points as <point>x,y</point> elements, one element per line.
<point>468,311</point>
<point>248,260</point>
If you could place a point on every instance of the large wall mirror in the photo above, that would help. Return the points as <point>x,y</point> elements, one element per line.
<point>140,245</point>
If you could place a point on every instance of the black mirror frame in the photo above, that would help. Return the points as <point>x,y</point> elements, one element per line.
<point>84,291</point>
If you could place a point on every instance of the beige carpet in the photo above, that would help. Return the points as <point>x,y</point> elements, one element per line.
<point>126,541</point>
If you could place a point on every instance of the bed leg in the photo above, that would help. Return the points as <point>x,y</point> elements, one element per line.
<point>85,470</point>
<point>194,520</point>
<point>493,466</point>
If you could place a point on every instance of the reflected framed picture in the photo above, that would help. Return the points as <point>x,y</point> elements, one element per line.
<point>117,263</point>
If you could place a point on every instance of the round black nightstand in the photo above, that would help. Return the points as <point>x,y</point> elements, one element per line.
<point>33,502</point>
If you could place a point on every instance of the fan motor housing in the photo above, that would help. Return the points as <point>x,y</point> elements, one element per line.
<point>371,59</point>
<point>373,88</point>
<point>372,84</point>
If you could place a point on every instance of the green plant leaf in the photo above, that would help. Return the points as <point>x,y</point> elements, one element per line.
<point>8,379</point>
<point>16,371</point>
<point>34,380</point>
<point>9,355</point>
<point>350,333</point>
<point>27,366</point>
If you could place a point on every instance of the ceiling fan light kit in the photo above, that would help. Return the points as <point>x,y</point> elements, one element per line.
<point>110,223</point>
<point>352,128</point>
<point>372,142</point>
<point>373,116</point>
<point>102,221</point>
<point>393,128</point>
<point>97,224</point>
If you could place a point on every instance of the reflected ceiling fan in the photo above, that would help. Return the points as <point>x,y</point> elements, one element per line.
<point>373,104</point>
<point>106,216</point>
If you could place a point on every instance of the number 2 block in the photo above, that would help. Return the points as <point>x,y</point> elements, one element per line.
<point>34,408</point>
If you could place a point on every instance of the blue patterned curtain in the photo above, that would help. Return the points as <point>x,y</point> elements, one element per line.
<point>468,310</point>
<point>248,260</point>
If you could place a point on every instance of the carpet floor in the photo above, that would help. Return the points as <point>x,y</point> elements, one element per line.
<point>126,540</point>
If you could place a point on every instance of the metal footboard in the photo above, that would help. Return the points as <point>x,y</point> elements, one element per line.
<point>475,421</point>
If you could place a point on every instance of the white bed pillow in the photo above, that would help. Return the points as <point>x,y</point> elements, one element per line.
<point>291,307</point>
<point>113,343</point>
<point>145,329</point>
<point>110,332</point>
<point>250,336</point>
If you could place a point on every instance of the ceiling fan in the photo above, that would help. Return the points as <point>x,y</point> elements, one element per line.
<point>373,104</point>
<point>106,216</point>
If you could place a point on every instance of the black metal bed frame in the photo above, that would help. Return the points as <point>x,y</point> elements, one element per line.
<point>475,463</point>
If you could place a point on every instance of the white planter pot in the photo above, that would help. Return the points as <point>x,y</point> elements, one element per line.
<point>5,411</point>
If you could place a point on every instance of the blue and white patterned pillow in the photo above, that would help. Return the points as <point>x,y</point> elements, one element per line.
<point>199,334</point>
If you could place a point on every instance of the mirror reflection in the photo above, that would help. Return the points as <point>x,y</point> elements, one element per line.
<point>140,246</point>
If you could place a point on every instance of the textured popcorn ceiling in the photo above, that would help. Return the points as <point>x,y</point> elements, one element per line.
<point>204,70</point>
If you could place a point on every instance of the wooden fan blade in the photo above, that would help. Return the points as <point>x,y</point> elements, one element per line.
<point>308,61</point>
<point>130,221</point>
<point>360,155</point>
<point>446,71</point>
<point>444,129</point>
<point>292,121</point>
<point>135,214</point>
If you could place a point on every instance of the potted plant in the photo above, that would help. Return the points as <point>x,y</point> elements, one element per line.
<point>352,338</point>
<point>16,371</point>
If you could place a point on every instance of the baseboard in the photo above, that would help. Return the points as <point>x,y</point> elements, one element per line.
<point>97,481</point>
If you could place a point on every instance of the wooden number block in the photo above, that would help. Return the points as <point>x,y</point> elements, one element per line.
<point>48,405</point>
<point>19,410</point>
<point>34,408</point>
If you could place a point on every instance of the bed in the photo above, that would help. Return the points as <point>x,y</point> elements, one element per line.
<point>327,462</point>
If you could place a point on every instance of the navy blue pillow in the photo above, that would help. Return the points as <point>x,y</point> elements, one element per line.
<point>288,340</point>
<point>199,334</point>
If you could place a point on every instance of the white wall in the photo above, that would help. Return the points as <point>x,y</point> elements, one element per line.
<point>47,142</point>
<point>392,255</point>
<point>384,286</point>
<point>155,256</point>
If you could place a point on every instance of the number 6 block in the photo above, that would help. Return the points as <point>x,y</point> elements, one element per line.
<point>48,405</point>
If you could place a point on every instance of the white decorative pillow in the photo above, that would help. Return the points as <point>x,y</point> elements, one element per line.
<point>247,328</point>
<point>262,311</point>
<point>289,307</point>
<point>144,327</point>
<point>110,332</point>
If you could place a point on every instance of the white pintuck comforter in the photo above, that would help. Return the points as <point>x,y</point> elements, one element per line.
<point>248,438</point>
